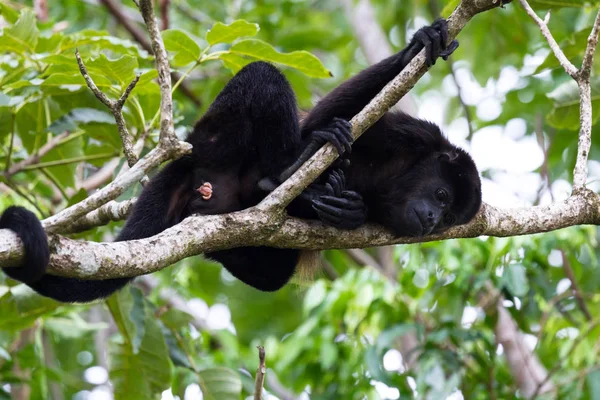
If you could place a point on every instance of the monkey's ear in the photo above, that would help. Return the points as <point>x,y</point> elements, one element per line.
<point>447,156</point>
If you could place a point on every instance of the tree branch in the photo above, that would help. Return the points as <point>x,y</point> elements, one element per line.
<point>260,374</point>
<point>582,77</point>
<point>115,10</point>
<point>562,59</point>
<point>585,109</point>
<point>167,129</point>
<point>253,227</point>
<point>115,107</point>
<point>35,158</point>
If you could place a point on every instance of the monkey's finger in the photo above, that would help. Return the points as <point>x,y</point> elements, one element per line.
<point>339,175</point>
<point>351,194</point>
<point>329,189</point>
<point>435,47</point>
<point>336,211</point>
<point>331,138</point>
<point>446,53</point>
<point>442,27</point>
<point>335,184</point>
<point>345,127</point>
<point>345,220</point>
<point>341,202</point>
<point>422,38</point>
<point>329,219</point>
<point>344,139</point>
<point>344,122</point>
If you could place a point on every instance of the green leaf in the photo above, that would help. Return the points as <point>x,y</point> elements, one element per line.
<point>101,40</point>
<point>572,48</point>
<point>143,375</point>
<point>515,279</point>
<point>71,120</point>
<point>8,13</point>
<point>73,327</point>
<point>221,33</point>
<point>128,311</point>
<point>220,384</point>
<point>120,70</point>
<point>20,306</point>
<point>234,62</point>
<point>25,30</point>
<point>592,381</point>
<point>565,114</point>
<point>66,81</point>
<point>301,60</point>
<point>185,48</point>
<point>448,8</point>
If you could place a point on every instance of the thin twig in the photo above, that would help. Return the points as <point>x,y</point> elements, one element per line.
<point>111,211</point>
<point>582,77</point>
<point>561,362</point>
<point>260,374</point>
<point>562,59</point>
<point>115,10</point>
<point>461,99</point>
<point>69,161</point>
<point>585,109</point>
<point>592,43</point>
<point>575,286</point>
<point>115,107</point>
<point>35,158</point>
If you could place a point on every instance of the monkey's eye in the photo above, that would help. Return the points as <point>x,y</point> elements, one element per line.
<point>441,195</point>
<point>449,219</point>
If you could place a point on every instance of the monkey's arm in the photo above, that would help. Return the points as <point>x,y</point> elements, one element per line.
<point>353,95</point>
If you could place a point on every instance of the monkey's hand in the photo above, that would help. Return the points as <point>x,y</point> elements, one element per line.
<point>338,207</point>
<point>338,133</point>
<point>435,40</point>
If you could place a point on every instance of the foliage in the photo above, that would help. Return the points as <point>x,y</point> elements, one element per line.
<point>333,338</point>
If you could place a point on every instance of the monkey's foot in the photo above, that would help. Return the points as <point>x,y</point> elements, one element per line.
<point>340,208</point>
<point>205,190</point>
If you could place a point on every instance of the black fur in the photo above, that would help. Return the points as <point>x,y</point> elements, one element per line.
<point>403,172</point>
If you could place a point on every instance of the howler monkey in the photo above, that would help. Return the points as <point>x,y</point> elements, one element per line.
<point>403,173</point>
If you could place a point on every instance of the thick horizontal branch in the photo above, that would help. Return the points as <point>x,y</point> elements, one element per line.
<point>253,227</point>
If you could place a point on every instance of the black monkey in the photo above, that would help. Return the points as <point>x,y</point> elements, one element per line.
<point>403,173</point>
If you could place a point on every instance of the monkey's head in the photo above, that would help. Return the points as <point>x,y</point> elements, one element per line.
<point>441,190</point>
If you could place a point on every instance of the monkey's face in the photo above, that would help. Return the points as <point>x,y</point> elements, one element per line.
<point>436,194</point>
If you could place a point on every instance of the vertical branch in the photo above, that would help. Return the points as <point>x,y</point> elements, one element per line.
<point>260,373</point>
<point>582,77</point>
<point>167,130</point>
<point>585,108</point>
